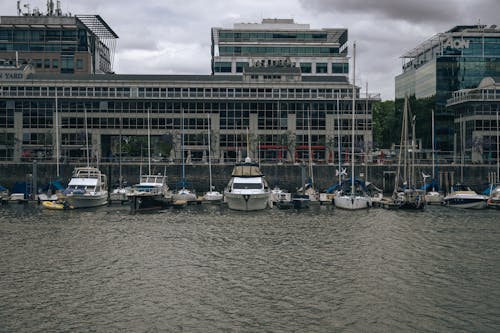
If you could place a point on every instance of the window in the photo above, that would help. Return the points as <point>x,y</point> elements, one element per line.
<point>55,63</point>
<point>46,63</point>
<point>306,67</point>
<point>322,68</point>
<point>222,67</point>
<point>240,66</point>
<point>79,63</point>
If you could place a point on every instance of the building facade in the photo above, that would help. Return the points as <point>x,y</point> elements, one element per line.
<point>277,112</point>
<point>280,42</point>
<point>477,125</point>
<point>53,42</point>
<point>451,61</point>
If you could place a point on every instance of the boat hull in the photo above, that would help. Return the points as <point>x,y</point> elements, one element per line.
<point>87,201</point>
<point>466,203</point>
<point>148,201</point>
<point>352,202</point>
<point>247,202</point>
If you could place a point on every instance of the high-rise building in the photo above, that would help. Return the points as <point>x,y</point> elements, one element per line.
<point>57,43</point>
<point>279,42</point>
<point>447,62</point>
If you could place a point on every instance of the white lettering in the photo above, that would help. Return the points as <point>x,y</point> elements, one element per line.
<point>456,43</point>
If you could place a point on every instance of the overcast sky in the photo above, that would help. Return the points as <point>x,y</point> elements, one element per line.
<point>173,36</point>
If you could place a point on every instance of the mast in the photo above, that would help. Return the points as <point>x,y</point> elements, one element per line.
<point>182,148</point>
<point>353,111</point>
<point>149,146</point>
<point>433,147</point>
<point>209,158</point>
<point>120,156</point>
<point>310,142</point>
<point>339,139</point>
<point>86,134</point>
<point>57,139</point>
<point>498,148</point>
<point>366,134</point>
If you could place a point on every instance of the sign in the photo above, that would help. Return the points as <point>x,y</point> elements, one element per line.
<point>11,75</point>
<point>456,43</point>
<point>285,62</point>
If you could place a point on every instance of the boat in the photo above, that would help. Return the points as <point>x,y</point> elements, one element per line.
<point>87,188</point>
<point>432,196</point>
<point>494,197</point>
<point>150,193</point>
<point>352,197</point>
<point>461,196</point>
<point>407,195</point>
<point>212,195</point>
<point>57,205</point>
<point>4,194</point>
<point>51,192</point>
<point>247,189</point>
<point>182,192</point>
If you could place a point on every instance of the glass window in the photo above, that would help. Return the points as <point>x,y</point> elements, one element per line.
<point>322,68</point>
<point>306,67</point>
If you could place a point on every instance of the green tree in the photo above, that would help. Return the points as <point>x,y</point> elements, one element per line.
<point>386,124</point>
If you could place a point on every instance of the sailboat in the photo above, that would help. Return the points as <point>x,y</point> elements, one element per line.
<point>211,195</point>
<point>407,195</point>
<point>152,191</point>
<point>433,196</point>
<point>353,197</point>
<point>88,185</point>
<point>183,193</point>
<point>247,189</point>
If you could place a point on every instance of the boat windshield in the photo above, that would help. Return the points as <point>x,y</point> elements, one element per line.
<point>247,186</point>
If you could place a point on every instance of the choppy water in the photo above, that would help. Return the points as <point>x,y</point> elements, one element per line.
<point>209,269</point>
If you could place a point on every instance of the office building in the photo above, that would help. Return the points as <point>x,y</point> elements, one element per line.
<point>54,42</point>
<point>280,42</point>
<point>447,62</point>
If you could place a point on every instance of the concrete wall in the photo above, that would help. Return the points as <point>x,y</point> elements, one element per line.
<point>285,176</point>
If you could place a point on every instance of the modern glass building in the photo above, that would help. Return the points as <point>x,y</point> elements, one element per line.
<point>454,60</point>
<point>477,124</point>
<point>278,42</point>
<point>57,43</point>
<point>281,113</point>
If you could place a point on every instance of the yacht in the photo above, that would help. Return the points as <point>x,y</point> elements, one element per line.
<point>462,196</point>
<point>87,188</point>
<point>247,190</point>
<point>352,196</point>
<point>151,192</point>
<point>494,198</point>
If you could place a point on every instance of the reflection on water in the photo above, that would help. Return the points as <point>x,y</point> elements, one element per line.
<point>206,268</point>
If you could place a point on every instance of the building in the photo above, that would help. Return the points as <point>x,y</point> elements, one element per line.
<point>280,42</point>
<point>447,62</point>
<point>476,112</point>
<point>54,42</point>
<point>278,112</point>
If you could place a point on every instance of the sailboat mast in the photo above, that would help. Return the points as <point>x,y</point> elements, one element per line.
<point>182,148</point>
<point>57,139</point>
<point>149,145</point>
<point>309,143</point>
<point>498,148</point>
<point>366,134</point>
<point>86,134</point>
<point>339,138</point>
<point>433,147</point>
<point>353,111</point>
<point>209,158</point>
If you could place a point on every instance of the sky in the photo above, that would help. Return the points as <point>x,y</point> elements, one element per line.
<point>173,36</point>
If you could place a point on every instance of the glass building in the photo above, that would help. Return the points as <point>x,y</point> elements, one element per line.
<point>281,113</point>
<point>477,125</point>
<point>454,60</point>
<point>278,42</point>
<point>57,43</point>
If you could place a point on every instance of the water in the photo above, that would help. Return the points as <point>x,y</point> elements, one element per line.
<point>209,269</point>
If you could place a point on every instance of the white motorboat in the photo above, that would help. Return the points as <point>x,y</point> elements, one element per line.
<point>494,198</point>
<point>184,194</point>
<point>87,188</point>
<point>434,197</point>
<point>151,192</point>
<point>247,190</point>
<point>212,195</point>
<point>462,196</point>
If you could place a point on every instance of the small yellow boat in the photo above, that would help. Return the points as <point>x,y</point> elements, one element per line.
<point>56,205</point>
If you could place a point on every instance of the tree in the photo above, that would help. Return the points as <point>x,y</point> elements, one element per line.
<point>386,124</point>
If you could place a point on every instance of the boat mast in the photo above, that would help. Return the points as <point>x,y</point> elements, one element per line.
<point>339,139</point>
<point>182,148</point>
<point>149,145</point>
<point>498,148</point>
<point>433,147</point>
<point>366,134</point>
<point>57,139</point>
<point>86,134</point>
<point>353,111</point>
<point>310,148</point>
<point>209,158</point>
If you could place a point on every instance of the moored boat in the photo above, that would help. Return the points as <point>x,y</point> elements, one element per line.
<point>87,188</point>
<point>461,196</point>
<point>248,189</point>
<point>151,192</point>
<point>494,197</point>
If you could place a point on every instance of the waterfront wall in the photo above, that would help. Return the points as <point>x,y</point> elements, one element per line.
<point>287,176</point>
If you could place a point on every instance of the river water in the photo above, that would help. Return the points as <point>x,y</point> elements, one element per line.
<point>208,269</point>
